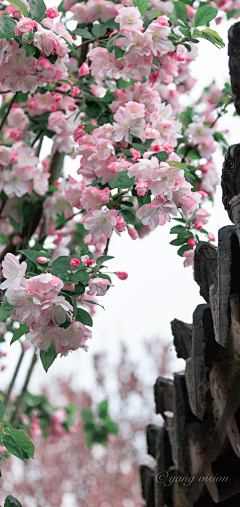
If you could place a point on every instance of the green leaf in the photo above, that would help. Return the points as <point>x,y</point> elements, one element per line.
<point>142,5</point>
<point>111,427</point>
<point>85,34</point>
<point>205,14</point>
<point>47,357</point>
<point>37,9</point>
<point>2,410</point>
<point>122,180</point>
<point>219,137</point>
<point>6,310</point>
<point>177,229</point>
<point>213,37</point>
<point>118,52</point>
<point>181,10</point>
<point>183,249</point>
<point>103,258</point>
<point>91,302</point>
<point>23,440</point>
<point>99,30</point>
<point>84,317</point>
<point>162,156</point>
<point>178,242</point>
<point>87,414</point>
<point>19,332</point>
<point>20,6</point>
<point>10,501</point>
<point>74,303</point>
<point>103,409</point>
<point>93,110</point>
<point>111,23</point>
<point>12,446</point>
<point>194,154</point>
<point>128,215</point>
<point>2,433</point>
<point>178,165</point>
<point>33,255</point>
<point>7,26</point>
<point>189,175</point>
<point>29,48</point>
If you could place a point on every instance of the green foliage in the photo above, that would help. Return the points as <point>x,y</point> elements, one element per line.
<point>122,180</point>
<point>128,215</point>
<point>103,258</point>
<point>84,317</point>
<point>213,37</point>
<point>98,426</point>
<point>181,11</point>
<point>22,440</point>
<point>6,310</point>
<point>13,447</point>
<point>99,30</point>
<point>205,14</point>
<point>47,357</point>
<point>37,9</point>
<point>20,6</point>
<point>19,332</point>
<point>2,410</point>
<point>141,4</point>
<point>7,26</point>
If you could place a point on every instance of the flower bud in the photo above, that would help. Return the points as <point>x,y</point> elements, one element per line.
<point>42,260</point>
<point>191,242</point>
<point>121,275</point>
<point>198,225</point>
<point>52,12</point>
<point>74,263</point>
<point>89,262</point>
<point>211,236</point>
<point>132,233</point>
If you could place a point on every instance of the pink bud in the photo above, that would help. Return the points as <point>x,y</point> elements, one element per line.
<point>74,262</point>
<point>141,188</point>
<point>75,91</point>
<point>3,367</point>
<point>120,225</point>
<point>42,260</point>
<point>198,225</point>
<point>84,70</point>
<point>121,275</point>
<point>89,262</point>
<point>132,233</point>
<point>191,242</point>
<point>135,154</point>
<point>52,12</point>
<point>211,236</point>
<point>16,240</point>
<point>53,107</point>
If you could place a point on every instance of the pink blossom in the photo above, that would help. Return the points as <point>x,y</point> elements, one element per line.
<point>98,286</point>
<point>13,271</point>
<point>45,284</point>
<point>120,225</point>
<point>156,213</point>
<point>25,25</point>
<point>27,304</point>
<point>74,262</point>
<point>141,188</point>
<point>84,70</point>
<point>206,147</point>
<point>92,197</point>
<point>101,222</point>
<point>57,310</point>
<point>122,275</point>
<point>135,154</point>
<point>202,216</point>
<point>5,155</point>
<point>189,256</point>
<point>57,122</point>
<point>127,125</point>
<point>129,18</point>
<point>52,12</point>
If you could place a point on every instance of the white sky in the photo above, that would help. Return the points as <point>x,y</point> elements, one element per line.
<point>158,289</point>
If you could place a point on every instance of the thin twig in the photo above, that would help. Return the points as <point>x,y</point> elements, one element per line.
<point>18,408</point>
<point>105,251</point>
<point>15,374</point>
<point>8,111</point>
